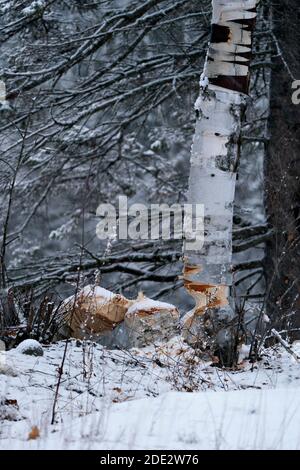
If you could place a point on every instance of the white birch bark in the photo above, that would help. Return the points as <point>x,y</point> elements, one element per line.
<point>215,154</point>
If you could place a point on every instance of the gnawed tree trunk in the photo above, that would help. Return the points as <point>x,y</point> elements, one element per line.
<point>214,162</point>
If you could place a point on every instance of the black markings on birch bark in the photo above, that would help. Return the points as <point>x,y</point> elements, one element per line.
<point>231,44</point>
<point>219,33</point>
<point>234,83</point>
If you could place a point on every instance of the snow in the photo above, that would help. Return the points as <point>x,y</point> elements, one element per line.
<point>156,146</point>
<point>204,82</point>
<point>34,7</point>
<point>97,291</point>
<point>142,399</point>
<point>6,7</point>
<point>244,352</point>
<point>233,420</point>
<point>149,304</point>
<point>197,104</point>
<point>28,344</point>
<point>92,292</point>
<point>4,106</point>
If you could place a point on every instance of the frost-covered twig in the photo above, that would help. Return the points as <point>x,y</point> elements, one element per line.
<point>285,344</point>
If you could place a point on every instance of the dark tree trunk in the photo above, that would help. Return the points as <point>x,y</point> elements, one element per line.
<point>283,169</point>
<point>8,313</point>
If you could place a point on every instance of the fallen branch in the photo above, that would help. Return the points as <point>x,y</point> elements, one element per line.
<point>248,232</point>
<point>237,248</point>
<point>285,344</point>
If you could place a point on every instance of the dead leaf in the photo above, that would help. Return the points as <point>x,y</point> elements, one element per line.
<point>9,402</point>
<point>34,433</point>
<point>215,360</point>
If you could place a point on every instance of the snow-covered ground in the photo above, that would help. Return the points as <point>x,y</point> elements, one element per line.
<point>161,397</point>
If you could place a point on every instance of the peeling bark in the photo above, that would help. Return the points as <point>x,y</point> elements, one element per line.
<point>214,161</point>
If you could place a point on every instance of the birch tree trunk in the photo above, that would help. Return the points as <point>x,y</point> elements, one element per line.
<point>214,162</point>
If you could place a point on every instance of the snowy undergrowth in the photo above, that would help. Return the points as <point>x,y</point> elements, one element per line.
<point>140,399</point>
